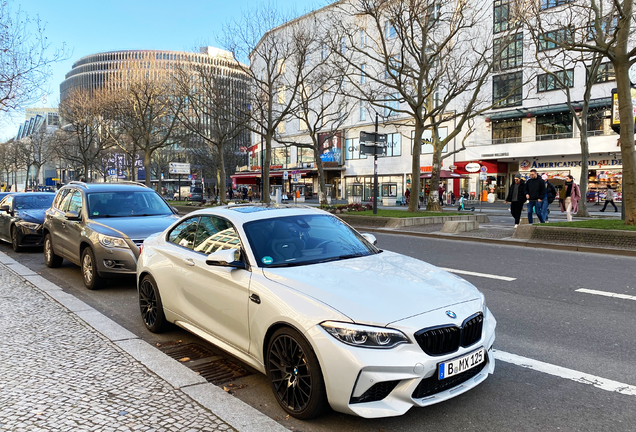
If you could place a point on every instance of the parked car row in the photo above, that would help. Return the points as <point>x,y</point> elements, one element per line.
<point>295,292</point>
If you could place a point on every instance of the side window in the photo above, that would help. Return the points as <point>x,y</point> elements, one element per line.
<point>8,200</point>
<point>216,234</point>
<point>75,203</point>
<point>184,233</point>
<point>66,199</point>
<point>57,203</point>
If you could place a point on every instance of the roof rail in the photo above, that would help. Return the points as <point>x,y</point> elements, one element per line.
<point>131,183</point>
<point>80,183</point>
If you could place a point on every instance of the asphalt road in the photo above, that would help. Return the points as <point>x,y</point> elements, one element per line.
<point>541,316</point>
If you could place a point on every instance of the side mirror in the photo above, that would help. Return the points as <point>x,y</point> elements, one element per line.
<point>72,215</point>
<point>225,258</point>
<point>4,208</point>
<point>370,238</point>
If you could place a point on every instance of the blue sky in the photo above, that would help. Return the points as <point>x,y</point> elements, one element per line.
<point>92,26</point>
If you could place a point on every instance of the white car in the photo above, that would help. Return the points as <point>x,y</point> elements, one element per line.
<point>328,317</point>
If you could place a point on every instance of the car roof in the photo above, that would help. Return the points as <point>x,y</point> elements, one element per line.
<point>107,187</point>
<point>19,194</point>
<point>250,212</point>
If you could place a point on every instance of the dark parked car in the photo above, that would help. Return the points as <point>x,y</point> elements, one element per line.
<point>100,227</point>
<point>4,194</point>
<point>21,218</point>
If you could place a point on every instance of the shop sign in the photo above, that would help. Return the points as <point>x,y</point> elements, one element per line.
<point>255,168</point>
<point>472,167</point>
<point>528,165</point>
<point>275,167</point>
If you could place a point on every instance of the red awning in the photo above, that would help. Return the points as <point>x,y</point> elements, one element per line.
<point>257,174</point>
<point>444,174</point>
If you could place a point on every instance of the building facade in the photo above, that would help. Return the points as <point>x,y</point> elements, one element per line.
<point>531,127</point>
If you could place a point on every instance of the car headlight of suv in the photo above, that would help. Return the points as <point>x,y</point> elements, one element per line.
<point>365,336</point>
<point>112,242</point>
<point>30,225</point>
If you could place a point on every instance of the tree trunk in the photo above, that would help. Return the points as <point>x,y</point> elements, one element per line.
<point>147,167</point>
<point>322,187</point>
<point>415,163</point>
<point>628,153</point>
<point>266,162</point>
<point>436,171</point>
<point>585,154</point>
<point>221,178</point>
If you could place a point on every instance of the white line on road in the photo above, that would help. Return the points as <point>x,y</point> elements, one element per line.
<point>484,275</point>
<point>580,377</point>
<point>606,294</point>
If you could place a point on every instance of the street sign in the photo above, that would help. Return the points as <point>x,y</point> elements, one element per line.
<point>484,169</point>
<point>483,176</point>
<point>285,175</point>
<point>373,149</point>
<point>178,168</point>
<point>372,137</point>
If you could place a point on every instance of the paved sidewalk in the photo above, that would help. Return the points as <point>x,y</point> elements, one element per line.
<point>59,373</point>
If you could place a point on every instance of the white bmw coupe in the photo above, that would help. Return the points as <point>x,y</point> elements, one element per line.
<point>317,307</point>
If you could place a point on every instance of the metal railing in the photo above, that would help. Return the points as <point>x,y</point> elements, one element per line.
<point>532,138</point>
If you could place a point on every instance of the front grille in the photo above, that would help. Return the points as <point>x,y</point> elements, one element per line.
<point>444,340</point>
<point>137,242</point>
<point>432,385</point>
<point>31,240</point>
<point>376,392</point>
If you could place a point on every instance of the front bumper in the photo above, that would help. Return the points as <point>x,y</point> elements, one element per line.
<point>112,262</point>
<point>351,373</point>
<point>28,237</point>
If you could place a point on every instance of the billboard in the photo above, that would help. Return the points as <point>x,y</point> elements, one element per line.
<point>616,118</point>
<point>331,147</point>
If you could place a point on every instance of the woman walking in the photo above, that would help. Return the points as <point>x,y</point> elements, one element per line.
<point>569,197</point>
<point>609,199</point>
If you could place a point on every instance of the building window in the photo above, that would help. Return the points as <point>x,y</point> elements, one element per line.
<point>302,125</point>
<point>508,52</point>
<point>547,4</point>
<point>554,126</point>
<point>363,74</point>
<point>395,64</point>
<point>502,16</point>
<point>389,30</point>
<point>604,73</point>
<point>305,155</point>
<point>596,119</point>
<point>324,52</point>
<point>281,94</point>
<point>506,131</point>
<point>343,45</point>
<point>394,144</point>
<point>363,37</point>
<point>353,149</point>
<point>282,128</point>
<point>553,39</point>
<point>507,90</point>
<point>391,105</point>
<point>363,111</point>
<point>555,81</point>
<point>427,140</point>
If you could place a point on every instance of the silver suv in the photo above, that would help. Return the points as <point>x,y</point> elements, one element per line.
<point>100,227</point>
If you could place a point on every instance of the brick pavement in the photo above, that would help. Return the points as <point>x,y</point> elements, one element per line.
<point>58,374</point>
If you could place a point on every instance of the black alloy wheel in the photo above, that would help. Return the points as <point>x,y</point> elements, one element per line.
<point>150,305</point>
<point>92,280</point>
<point>15,241</point>
<point>50,259</point>
<point>295,375</point>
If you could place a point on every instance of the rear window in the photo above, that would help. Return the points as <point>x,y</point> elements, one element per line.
<point>32,202</point>
<point>196,190</point>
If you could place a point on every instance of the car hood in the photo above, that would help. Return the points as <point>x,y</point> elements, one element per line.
<point>377,289</point>
<point>31,215</point>
<point>135,228</point>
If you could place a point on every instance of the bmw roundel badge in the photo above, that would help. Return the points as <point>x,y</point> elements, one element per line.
<point>451,314</point>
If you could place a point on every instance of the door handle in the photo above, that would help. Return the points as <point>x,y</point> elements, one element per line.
<point>255,298</point>
<point>188,261</point>
<point>63,224</point>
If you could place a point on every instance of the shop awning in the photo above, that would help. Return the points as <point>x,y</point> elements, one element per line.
<point>546,109</point>
<point>444,174</point>
<point>257,174</point>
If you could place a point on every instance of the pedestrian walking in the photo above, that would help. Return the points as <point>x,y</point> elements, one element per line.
<point>407,196</point>
<point>516,198</point>
<point>569,197</point>
<point>609,199</point>
<point>550,195</point>
<point>440,191</point>
<point>250,194</point>
<point>535,193</point>
<point>452,195</point>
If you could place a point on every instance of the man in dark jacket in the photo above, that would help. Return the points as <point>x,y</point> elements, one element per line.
<point>535,193</point>
<point>516,197</point>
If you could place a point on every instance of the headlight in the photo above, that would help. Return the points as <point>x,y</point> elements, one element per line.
<point>365,336</point>
<point>30,225</point>
<point>111,242</point>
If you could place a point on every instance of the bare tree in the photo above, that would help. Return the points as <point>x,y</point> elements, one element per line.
<point>274,71</point>
<point>421,63</point>
<point>25,58</point>
<point>600,28</point>
<point>41,149</point>
<point>80,141</point>
<point>214,111</point>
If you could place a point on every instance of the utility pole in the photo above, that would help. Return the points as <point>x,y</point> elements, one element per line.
<point>375,169</point>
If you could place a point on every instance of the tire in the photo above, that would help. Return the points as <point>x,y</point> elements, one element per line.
<point>50,259</point>
<point>92,280</point>
<point>294,374</point>
<point>15,240</point>
<point>150,305</point>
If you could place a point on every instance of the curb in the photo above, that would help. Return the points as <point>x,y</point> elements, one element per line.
<point>506,242</point>
<point>236,413</point>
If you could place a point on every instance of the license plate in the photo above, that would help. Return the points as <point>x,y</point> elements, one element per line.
<point>461,364</point>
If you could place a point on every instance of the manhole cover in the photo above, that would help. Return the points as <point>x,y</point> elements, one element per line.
<point>220,371</point>
<point>191,351</point>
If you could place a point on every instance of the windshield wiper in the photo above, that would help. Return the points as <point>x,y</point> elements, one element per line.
<point>288,264</point>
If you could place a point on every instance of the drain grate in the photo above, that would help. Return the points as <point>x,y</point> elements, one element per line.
<point>192,351</point>
<point>220,371</point>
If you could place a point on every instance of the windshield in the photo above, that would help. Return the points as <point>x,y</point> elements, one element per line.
<point>126,204</point>
<point>32,202</point>
<point>305,239</point>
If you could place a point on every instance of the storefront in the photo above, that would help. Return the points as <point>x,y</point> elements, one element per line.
<point>388,185</point>
<point>497,179</point>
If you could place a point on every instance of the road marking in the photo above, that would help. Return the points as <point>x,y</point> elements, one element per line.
<point>484,275</point>
<point>606,294</point>
<point>580,377</point>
